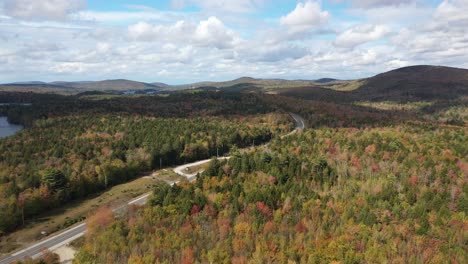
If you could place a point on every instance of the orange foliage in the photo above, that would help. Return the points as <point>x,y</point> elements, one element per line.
<point>187,256</point>
<point>413,180</point>
<point>370,149</point>
<point>101,218</point>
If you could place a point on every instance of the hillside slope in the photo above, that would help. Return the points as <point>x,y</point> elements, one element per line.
<point>416,83</point>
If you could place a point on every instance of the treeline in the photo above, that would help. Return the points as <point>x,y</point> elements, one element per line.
<point>66,158</point>
<point>347,195</point>
<point>206,103</point>
<point>173,105</point>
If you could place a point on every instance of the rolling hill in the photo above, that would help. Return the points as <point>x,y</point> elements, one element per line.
<point>416,83</point>
<point>119,85</point>
<point>412,83</point>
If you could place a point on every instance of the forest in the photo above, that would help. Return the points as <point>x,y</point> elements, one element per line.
<point>394,194</point>
<point>61,158</point>
<point>366,182</point>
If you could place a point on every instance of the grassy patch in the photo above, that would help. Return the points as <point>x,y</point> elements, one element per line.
<point>167,175</point>
<point>388,105</point>
<point>72,213</point>
<point>199,168</point>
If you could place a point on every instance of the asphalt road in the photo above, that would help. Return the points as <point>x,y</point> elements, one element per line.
<point>299,121</point>
<point>182,170</point>
<point>62,238</point>
<point>77,231</point>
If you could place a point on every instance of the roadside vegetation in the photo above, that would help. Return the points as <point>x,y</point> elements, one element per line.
<point>349,195</point>
<point>379,175</point>
<point>69,157</point>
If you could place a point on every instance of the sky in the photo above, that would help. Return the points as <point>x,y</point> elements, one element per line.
<point>185,41</point>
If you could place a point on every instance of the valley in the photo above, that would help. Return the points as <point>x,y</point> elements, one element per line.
<point>319,172</point>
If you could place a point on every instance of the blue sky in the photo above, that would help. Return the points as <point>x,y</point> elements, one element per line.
<point>183,41</point>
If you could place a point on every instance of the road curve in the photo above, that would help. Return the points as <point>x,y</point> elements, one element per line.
<point>77,231</point>
<point>181,170</point>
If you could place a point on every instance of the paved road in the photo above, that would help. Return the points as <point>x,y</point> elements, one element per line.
<point>75,232</point>
<point>62,238</point>
<point>182,170</point>
<point>299,121</point>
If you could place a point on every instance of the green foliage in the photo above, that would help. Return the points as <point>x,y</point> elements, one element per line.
<point>62,159</point>
<point>54,179</point>
<point>370,195</point>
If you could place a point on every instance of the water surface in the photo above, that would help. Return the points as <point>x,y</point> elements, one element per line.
<point>7,129</point>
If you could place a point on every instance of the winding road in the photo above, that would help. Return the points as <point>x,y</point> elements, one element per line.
<point>79,230</point>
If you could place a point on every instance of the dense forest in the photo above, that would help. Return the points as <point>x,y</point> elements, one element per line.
<point>184,104</point>
<point>63,158</point>
<point>394,194</point>
<point>366,182</point>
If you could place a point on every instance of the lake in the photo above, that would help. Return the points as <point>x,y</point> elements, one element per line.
<point>7,129</point>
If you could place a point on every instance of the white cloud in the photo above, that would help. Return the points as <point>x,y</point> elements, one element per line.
<point>361,34</point>
<point>90,44</point>
<point>453,11</point>
<point>211,32</point>
<point>214,33</point>
<point>42,9</point>
<point>305,16</point>
<point>228,6</point>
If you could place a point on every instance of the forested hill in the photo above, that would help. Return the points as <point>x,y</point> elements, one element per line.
<point>394,194</point>
<point>415,83</point>
<point>366,182</point>
<point>77,146</point>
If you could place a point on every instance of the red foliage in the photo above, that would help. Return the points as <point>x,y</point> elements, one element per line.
<point>264,209</point>
<point>413,180</point>
<point>370,149</point>
<point>332,150</point>
<point>195,210</point>
<point>300,227</point>
<point>375,167</point>
<point>355,161</point>
<point>360,246</point>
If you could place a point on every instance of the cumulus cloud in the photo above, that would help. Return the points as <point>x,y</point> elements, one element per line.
<point>42,9</point>
<point>361,34</point>
<point>210,32</point>
<point>453,11</point>
<point>229,6</point>
<point>443,39</point>
<point>91,44</point>
<point>214,33</point>
<point>305,16</point>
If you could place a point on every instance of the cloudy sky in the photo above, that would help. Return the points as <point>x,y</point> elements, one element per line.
<point>182,41</point>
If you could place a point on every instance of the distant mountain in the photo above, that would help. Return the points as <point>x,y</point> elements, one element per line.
<point>112,85</point>
<point>412,83</point>
<point>248,83</point>
<point>416,83</point>
<point>29,83</point>
<point>326,80</point>
<point>119,85</point>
